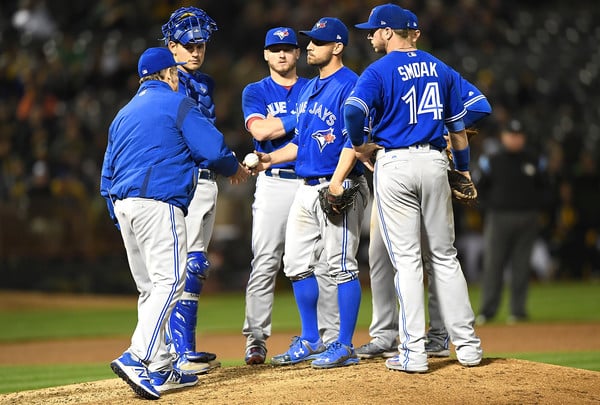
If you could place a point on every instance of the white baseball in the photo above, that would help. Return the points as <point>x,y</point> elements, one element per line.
<point>251,160</point>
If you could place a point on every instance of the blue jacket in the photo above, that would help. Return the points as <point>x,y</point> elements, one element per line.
<point>154,145</point>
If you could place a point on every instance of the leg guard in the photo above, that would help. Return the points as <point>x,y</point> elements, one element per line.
<point>182,324</point>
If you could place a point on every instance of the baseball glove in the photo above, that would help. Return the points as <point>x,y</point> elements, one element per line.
<point>334,205</point>
<point>463,189</point>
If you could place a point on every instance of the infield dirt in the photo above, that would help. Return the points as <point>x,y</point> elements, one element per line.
<point>495,381</point>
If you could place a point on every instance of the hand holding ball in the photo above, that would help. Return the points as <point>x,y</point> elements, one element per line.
<point>251,160</point>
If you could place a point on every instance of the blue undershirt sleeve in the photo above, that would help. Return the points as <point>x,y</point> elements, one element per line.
<point>354,118</point>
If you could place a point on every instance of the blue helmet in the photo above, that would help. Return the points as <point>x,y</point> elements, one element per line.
<point>188,25</point>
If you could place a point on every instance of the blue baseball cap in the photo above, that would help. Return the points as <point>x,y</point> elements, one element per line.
<point>386,15</point>
<point>413,23</point>
<point>154,60</point>
<point>281,36</point>
<point>328,29</point>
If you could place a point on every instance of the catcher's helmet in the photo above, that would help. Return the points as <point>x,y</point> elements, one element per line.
<point>188,25</point>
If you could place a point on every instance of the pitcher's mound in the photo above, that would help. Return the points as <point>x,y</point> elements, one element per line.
<point>495,381</point>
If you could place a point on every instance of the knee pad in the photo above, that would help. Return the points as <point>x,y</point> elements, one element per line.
<point>196,272</point>
<point>184,316</point>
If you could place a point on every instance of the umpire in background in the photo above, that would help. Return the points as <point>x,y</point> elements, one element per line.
<point>510,189</point>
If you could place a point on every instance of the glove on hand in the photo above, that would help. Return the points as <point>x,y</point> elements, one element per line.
<point>334,205</point>
<point>463,189</point>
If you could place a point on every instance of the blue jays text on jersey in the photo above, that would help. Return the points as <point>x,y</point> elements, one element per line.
<point>321,111</point>
<point>279,101</point>
<point>320,132</point>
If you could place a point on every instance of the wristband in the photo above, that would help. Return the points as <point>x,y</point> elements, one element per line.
<point>289,123</point>
<point>461,159</point>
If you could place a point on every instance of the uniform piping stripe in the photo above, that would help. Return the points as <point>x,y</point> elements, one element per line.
<point>474,100</point>
<point>386,237</point>
<point>357,102</point>
<point>163,312</point>
<point>345,239</point>
<point>457,116</point>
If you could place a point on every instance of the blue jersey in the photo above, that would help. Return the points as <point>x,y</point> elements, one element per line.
<point>267,97</point>
<point>320,132</point>
<point>410,96</point>
<point>475,102</point>
<point>154,144</point>
<point>200,87</point>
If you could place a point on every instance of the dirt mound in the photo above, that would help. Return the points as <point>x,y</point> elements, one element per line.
<point>496,381</point>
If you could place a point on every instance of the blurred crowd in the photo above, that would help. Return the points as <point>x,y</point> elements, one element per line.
<point>66,68</point>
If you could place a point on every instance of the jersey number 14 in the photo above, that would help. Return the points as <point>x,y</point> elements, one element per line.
<point>429,103</point>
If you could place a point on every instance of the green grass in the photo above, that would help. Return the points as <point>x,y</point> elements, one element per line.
<point>555,302</point>
<point>21,378</point>
<point>584,360</point>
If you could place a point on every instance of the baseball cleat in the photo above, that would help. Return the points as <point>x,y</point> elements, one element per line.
<point>399,363</point>
<point>171,380</point>
<point>371,350</point>
<point>300,350</point>
<point>134,373</point>
<point>469,356</point>
<point>434,349</point>
<point>201,357</point>
<point>186,366</point>
<point>336,355</point>
<point>255,355</point>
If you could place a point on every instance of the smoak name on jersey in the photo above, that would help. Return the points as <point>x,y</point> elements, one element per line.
<point>417,69</point>
<point>415,87</point>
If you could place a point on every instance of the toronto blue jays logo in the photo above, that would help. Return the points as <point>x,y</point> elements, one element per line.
<point>324,137</point>
<point>281,33</point>
<point>320,24</point>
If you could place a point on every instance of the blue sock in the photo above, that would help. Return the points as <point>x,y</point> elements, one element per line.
<point>349,295</point>
<point>306,292</point>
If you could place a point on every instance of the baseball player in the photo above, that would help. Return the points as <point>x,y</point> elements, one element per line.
<point>148,178</point>
<point>186,34</point>
<point>324,158</point>
<point>269,107</point>
<point>412,96</point>
<point>384,323</point>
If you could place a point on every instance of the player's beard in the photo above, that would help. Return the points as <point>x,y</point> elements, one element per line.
<point>318,62</point>
<point>282,69</point>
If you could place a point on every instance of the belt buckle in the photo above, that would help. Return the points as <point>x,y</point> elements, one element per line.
<point>421,147</point>
<point>206,174</point>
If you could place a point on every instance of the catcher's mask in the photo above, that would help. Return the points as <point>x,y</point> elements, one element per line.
<point>188,25</point>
